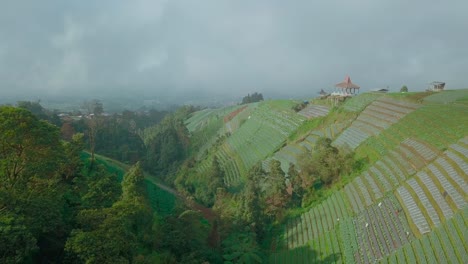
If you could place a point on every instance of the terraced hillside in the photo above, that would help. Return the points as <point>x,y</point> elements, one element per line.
<point>408,206</point>
<point>254,133</point>
<point>378,116</point>
<point>313,110</point>
<point>291,152</point>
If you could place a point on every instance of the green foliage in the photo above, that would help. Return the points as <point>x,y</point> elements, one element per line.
<point>255,97</point>
<point>117,138</point>
<point>404,89</point>
<point>241,248</point>
<point>167,144</point>
<point>326,163</point>
<point>18,243</point>
<point>40,112</point>
<point>28,147</point>
<point>296,184</point>
<point>276,196</point>
<point>305,127</point>
<point>185,235</point>
<point>113,234</point>
<point>102,189</point>
<point>252,204</point>
<point>299,106</point>
<point>31,166</point>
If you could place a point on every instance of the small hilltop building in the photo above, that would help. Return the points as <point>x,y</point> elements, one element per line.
<point>347,87</point>
<point>436,86</point>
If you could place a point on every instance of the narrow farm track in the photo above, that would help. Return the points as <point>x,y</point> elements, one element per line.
<point>207,213</point>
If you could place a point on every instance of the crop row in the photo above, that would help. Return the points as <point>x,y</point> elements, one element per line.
<point>325,248</point>
<point>446,244</point>
<point>371,122</point>
<point>318,220</point>
<point>419,125</point>
<point>380,231</point>
<point>357,103</point>
<point>312,111</point>
<point>383,177</point>
<point>436,192</point>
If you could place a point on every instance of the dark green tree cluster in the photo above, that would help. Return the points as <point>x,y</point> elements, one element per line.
<point>32,171</point>
<point>57,208</point>
<point>167,145</point>
<point>255,97</point>
<point>118,233</point>
<point>40,112</point>
<point>324,165</point>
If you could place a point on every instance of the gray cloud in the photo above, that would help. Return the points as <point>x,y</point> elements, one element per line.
<point>228,47</point>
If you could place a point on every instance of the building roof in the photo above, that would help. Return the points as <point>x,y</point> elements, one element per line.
<point>347,84</point>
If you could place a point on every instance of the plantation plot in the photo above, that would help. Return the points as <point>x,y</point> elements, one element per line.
<point>446,244</point>
<point>265,131</point>
<point>458,200</point>
<point>441,203</point>
<point>312,111</point>
<point>424,201</point>
<point>447,96</point>
<point>378,116</point>
<point>414,211</point>
<point>358,103</point>
<point>381,231</point>
<point>318,220</point>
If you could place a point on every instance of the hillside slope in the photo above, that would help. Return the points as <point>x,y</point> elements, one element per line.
<point>408,204</point>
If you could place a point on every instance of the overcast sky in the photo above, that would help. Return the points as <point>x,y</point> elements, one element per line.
<point>155,47</point>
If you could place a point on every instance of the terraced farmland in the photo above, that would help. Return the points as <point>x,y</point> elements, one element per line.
<point>447,96</point>
<point>441,125</point>
<point>446,244</point>
<point>388,173</point>
<point>291,152</point>
<point>262,132</point>
<point>312,111</point>
<point>377,221</point>
<point>408,206</point>
<point>358,103</point>
<point>378,116</point>
<point>437,191</point>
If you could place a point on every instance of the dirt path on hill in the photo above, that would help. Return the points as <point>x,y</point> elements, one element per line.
<point>208,213</point>
<point>205,211</point>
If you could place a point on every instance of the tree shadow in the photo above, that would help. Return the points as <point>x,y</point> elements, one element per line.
<point>304,254</point>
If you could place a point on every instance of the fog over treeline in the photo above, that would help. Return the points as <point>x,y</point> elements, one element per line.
<point>201,49</point>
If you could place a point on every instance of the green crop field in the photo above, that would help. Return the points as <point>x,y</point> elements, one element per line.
<point>255,133</point>
<point>408,206</point>
<point>448,96</point>
<point>408,203</point>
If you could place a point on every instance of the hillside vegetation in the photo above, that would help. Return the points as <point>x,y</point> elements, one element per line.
<point>405,201</point>
<point>376,178</point>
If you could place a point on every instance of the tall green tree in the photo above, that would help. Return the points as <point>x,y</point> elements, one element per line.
<point>241,248</point>
<point>252,204</point>
<point>276,196</point>
<point>31,162</point>
<point>296,185</point>
<point>326,163</point>
<point>114,234</point>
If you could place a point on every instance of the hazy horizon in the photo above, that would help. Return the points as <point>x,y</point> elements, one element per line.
<point>227,48</point>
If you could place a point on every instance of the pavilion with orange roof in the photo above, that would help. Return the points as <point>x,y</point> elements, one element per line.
<point>347,87</point>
